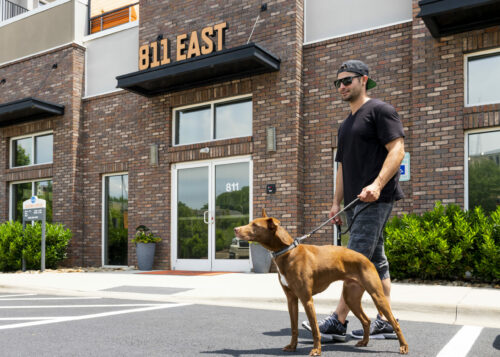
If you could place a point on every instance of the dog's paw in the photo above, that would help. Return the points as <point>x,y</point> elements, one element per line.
<point>403,350</point>
<point>290,348</point>
<point>315,352</point>
<point>362,343</point>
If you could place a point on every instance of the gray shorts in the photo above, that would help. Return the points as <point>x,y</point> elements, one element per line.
<point>367,233</point>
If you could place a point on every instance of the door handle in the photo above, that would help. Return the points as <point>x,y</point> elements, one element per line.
<point>205,217</point>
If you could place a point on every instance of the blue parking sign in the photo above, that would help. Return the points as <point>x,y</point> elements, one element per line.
<point>404,169</point>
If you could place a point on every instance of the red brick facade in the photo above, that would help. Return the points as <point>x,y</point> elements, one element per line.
<point>422,77</point>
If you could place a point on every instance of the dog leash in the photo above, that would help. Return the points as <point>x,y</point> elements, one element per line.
<point>297,241</point>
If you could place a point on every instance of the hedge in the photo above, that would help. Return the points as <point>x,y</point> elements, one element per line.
<point>446,243</point>
<point>13,242</point>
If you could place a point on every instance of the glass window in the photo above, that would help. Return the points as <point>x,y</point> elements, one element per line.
<point>22,151</point>
<point>43,149</point>
<point>116,220</point>
<point>233,120</point>
<point>483,76</point>
<point>192,126</point>
<point>23,191</point>
<point>484,170</point>
<point>36,149</point>
<point>213,122</point>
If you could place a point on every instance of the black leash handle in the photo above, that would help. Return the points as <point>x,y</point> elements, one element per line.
<point>339,228</point>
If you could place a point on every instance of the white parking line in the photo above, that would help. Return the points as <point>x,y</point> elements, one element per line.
<point>91,316</point>
<point>51,298</point>
<point>10,296</point>
<point>28,318</point>
<point>69,306</point>
<point>461,343</point>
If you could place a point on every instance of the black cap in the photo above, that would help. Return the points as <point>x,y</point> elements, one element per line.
<point>359,67</point>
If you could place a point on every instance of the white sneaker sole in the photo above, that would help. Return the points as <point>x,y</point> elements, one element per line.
<point>326,336</point>
<point>380,336</point>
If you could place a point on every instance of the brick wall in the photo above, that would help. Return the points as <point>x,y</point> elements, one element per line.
<point>38,77</point>
<point>387,52</point>
<point>439,117</point>
<point>422,77</point>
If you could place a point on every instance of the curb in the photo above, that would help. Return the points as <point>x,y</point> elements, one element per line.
<point>460,314</point>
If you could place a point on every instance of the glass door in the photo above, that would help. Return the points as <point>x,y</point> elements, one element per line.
<point>209,200</point>
<point>115,220</point>
<point>193,218</point>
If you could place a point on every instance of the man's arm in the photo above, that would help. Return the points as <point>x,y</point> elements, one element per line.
<point>395,155</point>
<point>338,196</point>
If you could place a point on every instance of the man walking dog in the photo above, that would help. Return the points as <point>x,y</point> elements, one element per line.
<point>369,154</point>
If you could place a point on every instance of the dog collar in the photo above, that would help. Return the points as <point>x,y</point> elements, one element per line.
<point>295,243</point>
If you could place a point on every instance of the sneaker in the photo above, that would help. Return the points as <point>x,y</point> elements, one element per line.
<point>330,327</point>
<point>379,330</point>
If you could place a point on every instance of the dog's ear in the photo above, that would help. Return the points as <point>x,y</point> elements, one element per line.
<point>264,212</point>
<point>272,224</point>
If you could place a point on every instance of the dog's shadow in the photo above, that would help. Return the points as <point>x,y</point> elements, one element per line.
<point>303,347</point>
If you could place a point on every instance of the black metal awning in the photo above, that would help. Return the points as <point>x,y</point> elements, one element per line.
<point>27,109</point>
<point>237,62</point>
<point>448,17</point>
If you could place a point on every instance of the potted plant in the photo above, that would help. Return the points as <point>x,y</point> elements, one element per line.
<point>145,242</point>
<point>261,259</point>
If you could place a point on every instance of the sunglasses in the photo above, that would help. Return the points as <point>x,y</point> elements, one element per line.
<point>347,81</point>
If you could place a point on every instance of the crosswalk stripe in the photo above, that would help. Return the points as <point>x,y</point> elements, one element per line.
<point>461,343</point>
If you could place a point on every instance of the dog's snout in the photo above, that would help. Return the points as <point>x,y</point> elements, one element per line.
<point>236,230</point>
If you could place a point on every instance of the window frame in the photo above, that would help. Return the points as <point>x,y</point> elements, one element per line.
<point>466,160</point>
<point>212,105</point>
<point>486,53</point>
<point>11,192</point>
<point>33,148</point>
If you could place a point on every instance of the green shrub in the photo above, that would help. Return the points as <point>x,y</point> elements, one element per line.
<point>12,245</point>
<point>445,243</point>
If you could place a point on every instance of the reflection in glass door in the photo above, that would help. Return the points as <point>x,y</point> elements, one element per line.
<point>115,220</point>
<point>232,193</point>
<point>192,213</point>
<point>210,199</point>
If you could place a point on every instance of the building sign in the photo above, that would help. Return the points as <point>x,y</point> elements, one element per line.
<point>34,209</point>
<point>404,169</point>
<point>210,39</point>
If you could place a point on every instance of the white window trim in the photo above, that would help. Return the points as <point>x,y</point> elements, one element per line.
<point>212,111</point>
<point>466,75</point>
<point>466,161</point>
<point>11,191</point>
<point>32,136</point>
<point>103,218</point>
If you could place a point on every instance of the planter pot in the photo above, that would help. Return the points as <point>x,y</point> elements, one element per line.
<point>261,259</point>
<point>145,255</point>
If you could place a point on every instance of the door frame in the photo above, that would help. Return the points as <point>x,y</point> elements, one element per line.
<point>210,264</point>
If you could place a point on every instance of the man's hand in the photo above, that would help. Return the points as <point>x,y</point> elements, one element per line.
<point>333,211</point>
<point>370,193</point>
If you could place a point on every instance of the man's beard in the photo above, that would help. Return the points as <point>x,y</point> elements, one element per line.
<point>353,96</point>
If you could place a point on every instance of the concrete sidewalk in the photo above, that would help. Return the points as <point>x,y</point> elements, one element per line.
<point>433,303</point>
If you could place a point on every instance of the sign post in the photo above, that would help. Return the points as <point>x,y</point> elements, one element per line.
<point>34,209</point>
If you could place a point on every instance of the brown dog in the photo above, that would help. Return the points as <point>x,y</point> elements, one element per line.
<point>308,270</point>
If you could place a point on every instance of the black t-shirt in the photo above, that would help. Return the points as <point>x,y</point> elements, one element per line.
<point>361,149</point>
